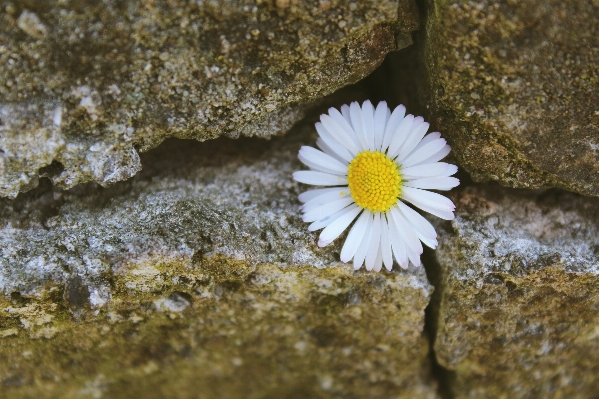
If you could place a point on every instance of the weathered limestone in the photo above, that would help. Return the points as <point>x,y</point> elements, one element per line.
<point>86,85</point>
<point>515,88</point>
<point>518,317</point>
<point>198,279</point>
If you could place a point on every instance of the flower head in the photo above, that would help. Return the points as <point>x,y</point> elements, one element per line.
<point>375,161</point>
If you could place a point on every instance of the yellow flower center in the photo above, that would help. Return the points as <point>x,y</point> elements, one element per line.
<point>374,181</point>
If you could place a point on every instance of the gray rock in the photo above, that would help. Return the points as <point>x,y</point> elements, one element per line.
<point>515,88</point>
<point>519,281</point>
<point>87,85</point>
<point>197,278</point>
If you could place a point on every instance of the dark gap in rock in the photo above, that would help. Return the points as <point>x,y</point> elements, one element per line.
<point>413,83</point>
<point>34,207</point>
<point>76,294</point>
<point>434,274</point>
<point>33,183</point>
<point>396,81</point>
<point>52,170</point>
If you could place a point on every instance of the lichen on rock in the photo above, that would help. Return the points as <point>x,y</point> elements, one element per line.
<point>517,316</point>
<point>110,79</point>
<point>197,278</point>
<point>515,88</point>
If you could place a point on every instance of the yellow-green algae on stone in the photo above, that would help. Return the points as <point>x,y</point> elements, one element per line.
<point>86,85</point>
<point>514,86</point>
<point>198,279</point>
<point>518,314</point>
<point>301,332</point>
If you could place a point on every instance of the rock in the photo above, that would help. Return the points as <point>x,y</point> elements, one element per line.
<point>519,280</point>
<point>197,278</point>
<point>88,85</point>
<point>515,88</point>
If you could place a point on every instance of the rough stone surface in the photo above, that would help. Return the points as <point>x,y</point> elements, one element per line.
<point>86,85</point>
<point>198,279</point>
<point>515,88</point>
<point>518,316</point>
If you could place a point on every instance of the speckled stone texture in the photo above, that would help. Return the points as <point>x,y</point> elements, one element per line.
<point>198,279</point>
<point>86,85</point>
<point>518,317</point>
<point>514,85</point>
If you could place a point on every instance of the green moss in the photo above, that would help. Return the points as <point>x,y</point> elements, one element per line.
<point>246,331</point>
<point>510,110</point>
<point>516,315</point>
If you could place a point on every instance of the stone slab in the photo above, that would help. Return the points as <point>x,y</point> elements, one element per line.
<point>514,86</point>
<point>87,85</point>
<point>198,279</point>
<point>519,287</point>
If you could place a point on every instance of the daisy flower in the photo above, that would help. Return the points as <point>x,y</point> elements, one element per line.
<point>376,161</point>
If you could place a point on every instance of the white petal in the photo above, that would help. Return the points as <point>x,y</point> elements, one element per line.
<point>424,230</point>
<point>412,252</point>
<point>334,195</point>
<point>375,242</point>
<point>333,230</point>
<point>437,169</point>
<point>416,134</point>
<point>423,153</point>
<point>434,183</point>
<point>417,196</point>
<point>430,137</point>
<point>387,117</point>
<point>312,157</point>
<point>354,238</point>
<point>378,262</point>
<point>342,137</point>
<point>400,135</point>
<point>443,214</point>
<point>380,121</point>
<point>318,168</point>
<point>311,194</point>
<point>345,112</point>
<point>413,245</point>
<point>414,258</point>
<point>363,244</point>
<point>328,150</point>
<point>437,156</point>
<point>368,123</point>
<point>427,139</point>
<point>322,223</point>
<point>396,117</point>
<point>397,244</point>
<point>333,144</point>
<point>355,113</point>
<point>387,256</point>
<point>346,126</point>
<point>325,210</point>
<point>319,178</point>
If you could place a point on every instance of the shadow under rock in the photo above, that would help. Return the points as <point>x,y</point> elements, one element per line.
<point>178,158</point>
<point>434,274</point>
<point>173,159</point>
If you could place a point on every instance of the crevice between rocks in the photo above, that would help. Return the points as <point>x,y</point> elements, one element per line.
<point>415,83</point>
<point>442,375</point>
